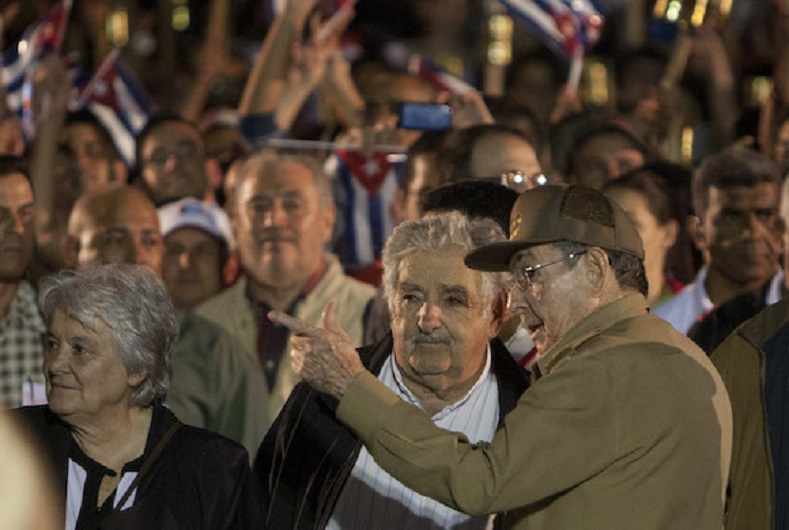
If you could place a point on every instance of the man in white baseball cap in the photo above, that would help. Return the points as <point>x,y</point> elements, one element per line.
<point>199,259</point>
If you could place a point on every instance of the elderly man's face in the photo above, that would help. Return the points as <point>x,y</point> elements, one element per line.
<point>192,266</point>
<point>173,163</point>
<point>128,233</point>
<point>280,223</point>
<point>16,226</point>
<point>85,376</point>
<point>441,321</point>
<point>553,300</point>
<point>742,231</point>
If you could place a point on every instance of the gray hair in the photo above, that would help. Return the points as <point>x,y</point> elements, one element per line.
<point>133,302</point>
<point>274,155</point>
<point>435,233</point>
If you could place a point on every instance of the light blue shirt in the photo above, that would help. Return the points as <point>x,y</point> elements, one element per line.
<point>693,302</point>
<point>371,498</point>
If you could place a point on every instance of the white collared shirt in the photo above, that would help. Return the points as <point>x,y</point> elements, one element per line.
<point>371,498</point>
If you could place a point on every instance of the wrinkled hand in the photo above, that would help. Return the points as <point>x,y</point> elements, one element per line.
<point>323,357</point>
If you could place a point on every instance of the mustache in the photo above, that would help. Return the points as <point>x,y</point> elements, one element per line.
<point>432,338</point>
<point>275,234</point>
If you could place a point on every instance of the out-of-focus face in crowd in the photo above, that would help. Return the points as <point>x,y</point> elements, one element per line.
<point>742,231</point>
<point>495,155</point>
<point>99,168</point>
<point>117,226</point>
<point>16,226</point>
<point>604,157</point>
<point>192,266</point>
<point>282,220</point>
<point>173,163</point>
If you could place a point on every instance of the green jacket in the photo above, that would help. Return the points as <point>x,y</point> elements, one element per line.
<point>628,428</point>
<point>744,362</point>
<point>232,310</point>
<point>215,385</point>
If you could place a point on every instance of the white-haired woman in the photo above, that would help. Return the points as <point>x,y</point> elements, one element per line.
<point>122,459</point>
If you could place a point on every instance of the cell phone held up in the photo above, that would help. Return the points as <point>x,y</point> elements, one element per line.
<point>424,116</point>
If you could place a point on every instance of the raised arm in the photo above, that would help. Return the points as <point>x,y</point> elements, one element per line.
<point>267,79</point>
<point>213,59</point>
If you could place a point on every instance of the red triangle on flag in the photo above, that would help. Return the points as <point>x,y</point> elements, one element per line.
<point>370,171</point>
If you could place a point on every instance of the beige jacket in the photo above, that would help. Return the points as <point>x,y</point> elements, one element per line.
<point>629,428</point>
<point>232,310</point>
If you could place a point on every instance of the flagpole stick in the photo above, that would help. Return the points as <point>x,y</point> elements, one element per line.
<point>576,68</point>
<point>331,146</point>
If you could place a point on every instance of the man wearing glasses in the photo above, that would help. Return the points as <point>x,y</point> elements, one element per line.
<point>172,162</point>
<point>629,425</point>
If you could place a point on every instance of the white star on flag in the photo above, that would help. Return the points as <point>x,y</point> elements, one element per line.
<point>371,167</point>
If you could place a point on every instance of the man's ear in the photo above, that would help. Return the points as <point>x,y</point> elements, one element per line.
<point>598,268</point>
<point>231,270</point>
<point>499,309</point>
<point>329,213</point>
<point>213,172</point>
<point>670,232</point>
<point>696,232</point>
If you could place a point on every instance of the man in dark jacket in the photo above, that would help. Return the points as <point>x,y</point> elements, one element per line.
<point>442,357</point>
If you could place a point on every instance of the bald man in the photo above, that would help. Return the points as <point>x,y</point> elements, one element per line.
<point>214,384</point>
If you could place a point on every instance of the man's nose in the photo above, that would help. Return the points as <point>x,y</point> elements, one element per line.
<point>518,304</point>
<point>429,317</point>
<point>18,224</point>
<point>275,216</point>
<point>171,161</point>
<point>184,259</point>
<point>515,301</point>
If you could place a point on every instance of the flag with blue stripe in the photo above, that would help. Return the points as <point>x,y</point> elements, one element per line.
<point>43,38</point>
<point>564,25</point>
<point>369,183</point>
<point>115,97</point>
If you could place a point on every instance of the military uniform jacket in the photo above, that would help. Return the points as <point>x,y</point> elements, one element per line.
<point>629,427</point>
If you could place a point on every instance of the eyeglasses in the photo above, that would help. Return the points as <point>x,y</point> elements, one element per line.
<point>183,151</point>
<point>524,277</point>
<point>517,180</point>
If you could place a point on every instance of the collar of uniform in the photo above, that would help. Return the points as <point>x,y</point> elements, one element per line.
<point>592,325</point>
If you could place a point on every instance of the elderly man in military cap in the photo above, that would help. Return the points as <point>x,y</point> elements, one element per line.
<point>629,425</point>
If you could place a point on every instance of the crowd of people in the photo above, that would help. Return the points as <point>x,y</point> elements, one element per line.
<point>359,297</point>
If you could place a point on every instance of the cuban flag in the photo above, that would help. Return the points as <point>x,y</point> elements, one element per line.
<point>565,25</point>
<point>368,184</point>
<point>118,101</point>
<point>437,76</point>
<point>44,37</point>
